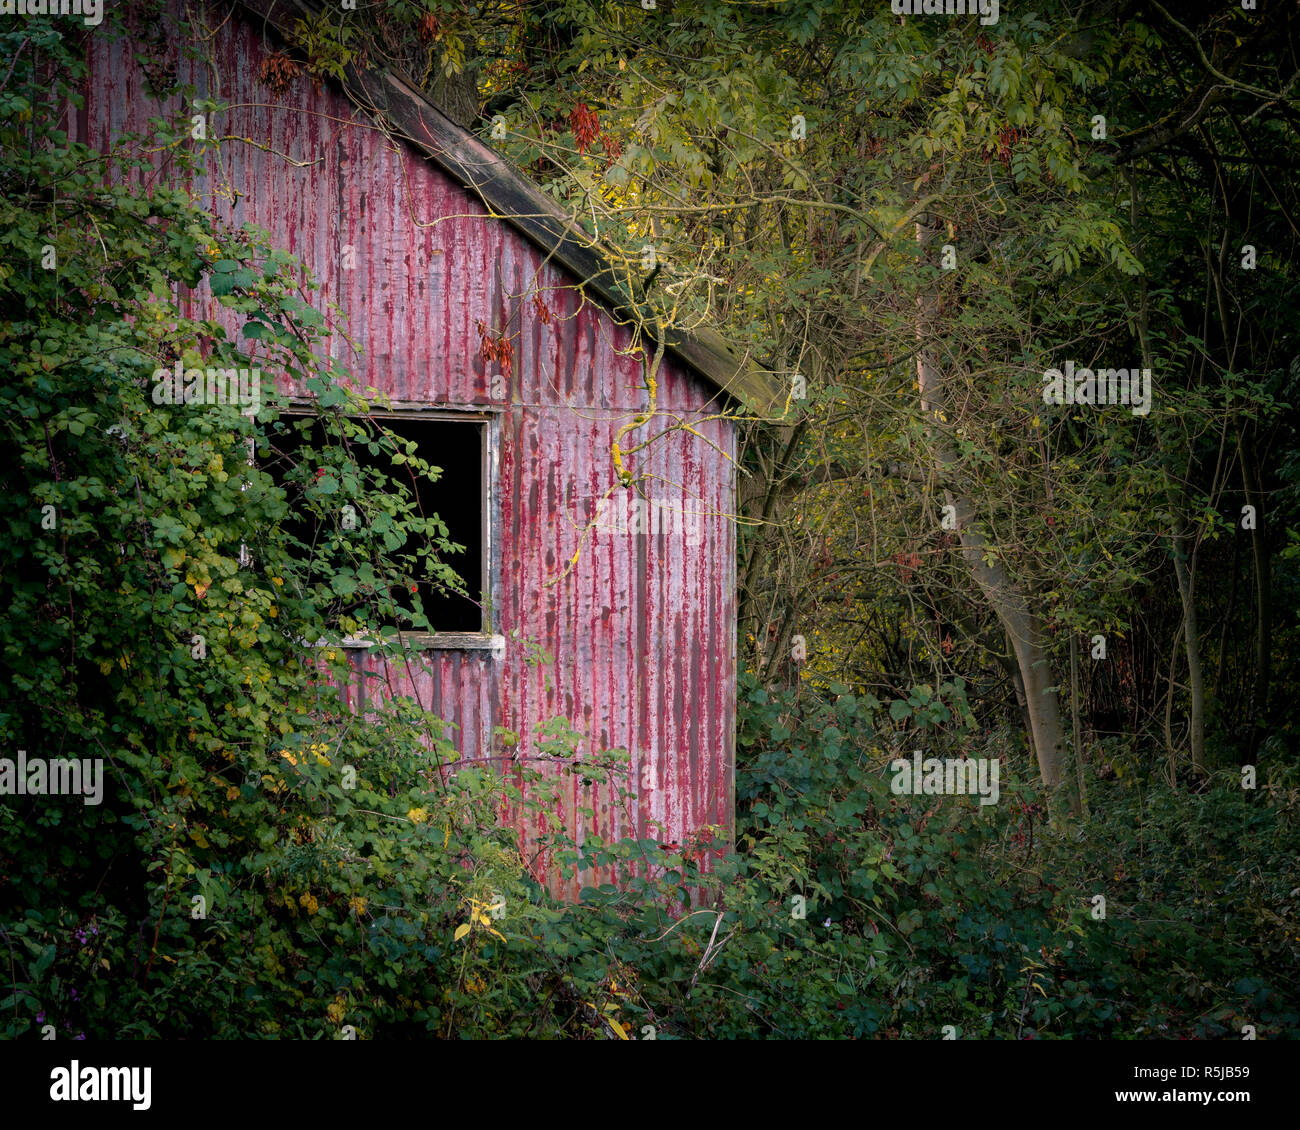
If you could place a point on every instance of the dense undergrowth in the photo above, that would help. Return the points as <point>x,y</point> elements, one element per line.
<point>923,916</point>
<point>264,864</point>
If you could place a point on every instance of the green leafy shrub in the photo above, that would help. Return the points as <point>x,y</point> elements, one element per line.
<point>267,864</point>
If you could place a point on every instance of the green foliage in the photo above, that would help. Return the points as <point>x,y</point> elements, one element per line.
<point>262,862</point>
<point>1202,927</point>
<point>268,864</point>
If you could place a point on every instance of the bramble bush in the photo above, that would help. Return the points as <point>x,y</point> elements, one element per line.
<point>263,862</point>
<point>1202,931</point>
<point>929,912</point>
<point>268,864</point>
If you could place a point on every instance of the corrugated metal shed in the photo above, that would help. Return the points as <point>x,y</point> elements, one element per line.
<point>642,628</point>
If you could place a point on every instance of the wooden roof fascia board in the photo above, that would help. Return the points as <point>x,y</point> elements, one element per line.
<point>510,196</point>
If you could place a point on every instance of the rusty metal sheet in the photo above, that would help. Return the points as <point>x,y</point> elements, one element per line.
<point>642,628</point>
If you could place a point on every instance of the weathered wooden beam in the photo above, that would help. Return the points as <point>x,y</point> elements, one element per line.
<point>511,196</point>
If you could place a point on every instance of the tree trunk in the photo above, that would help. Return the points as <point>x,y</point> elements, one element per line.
<point>1191,637</point>
<point>1012,668</point>
<point>1077,726</point>
<point>1183,565</point>
<point>1257,707</point>
<point>1004,595</point>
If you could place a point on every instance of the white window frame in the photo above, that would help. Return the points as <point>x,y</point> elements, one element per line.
<point>489,419</point>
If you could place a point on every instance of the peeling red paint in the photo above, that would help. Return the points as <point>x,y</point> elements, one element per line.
<point>642,628</point>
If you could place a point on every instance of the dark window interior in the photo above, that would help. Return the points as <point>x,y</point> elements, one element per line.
<point>457,497</point>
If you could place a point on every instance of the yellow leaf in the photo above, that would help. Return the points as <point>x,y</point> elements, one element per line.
<point>461,931</point>
<point>618,1029</point>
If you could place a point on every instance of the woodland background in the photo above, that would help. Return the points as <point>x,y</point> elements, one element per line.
<point>1116,184</point>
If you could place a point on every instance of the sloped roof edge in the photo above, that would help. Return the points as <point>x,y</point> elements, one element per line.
<point>512,197</point>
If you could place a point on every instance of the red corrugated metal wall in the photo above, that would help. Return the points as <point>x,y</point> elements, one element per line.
<point>642,628</point>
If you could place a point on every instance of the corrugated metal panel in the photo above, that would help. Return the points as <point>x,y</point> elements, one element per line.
<point>642,629</point>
